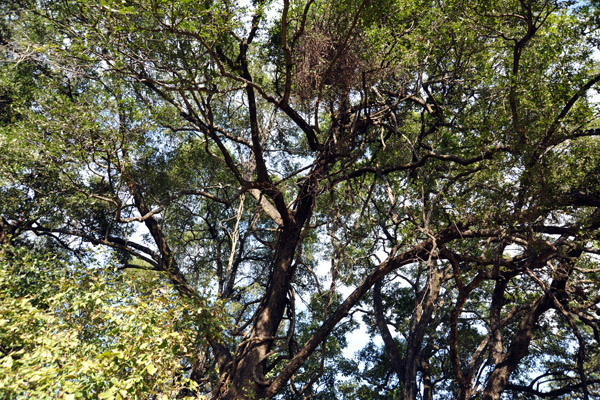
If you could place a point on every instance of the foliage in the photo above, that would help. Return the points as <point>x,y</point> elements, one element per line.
<point>426,169</point>
<point>71,332</point>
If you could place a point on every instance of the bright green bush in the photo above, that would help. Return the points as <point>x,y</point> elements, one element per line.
<point>73,333</point>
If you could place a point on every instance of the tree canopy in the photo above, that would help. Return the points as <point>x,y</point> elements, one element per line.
<point>206,199</point>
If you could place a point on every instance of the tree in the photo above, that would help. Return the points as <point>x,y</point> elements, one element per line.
<point>71,332</point>
<point>440,157</point>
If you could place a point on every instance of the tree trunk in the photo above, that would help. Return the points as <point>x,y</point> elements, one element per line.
<point>246,377</point>
<point>421,320</point>
<point>506,363</point>
<point>391,347</point>
<point>518,349</point>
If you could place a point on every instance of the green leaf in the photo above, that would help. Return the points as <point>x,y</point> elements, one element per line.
<point>151,368</point>
<point>108,394</point>
<point>8,362</point>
